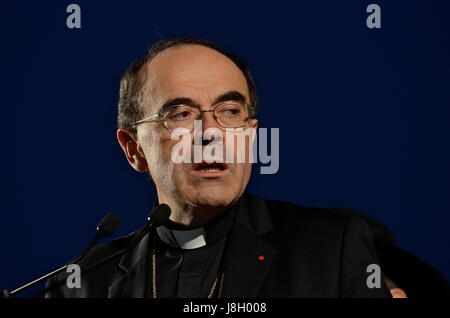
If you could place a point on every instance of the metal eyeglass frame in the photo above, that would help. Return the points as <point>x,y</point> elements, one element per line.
<point>160,118</point>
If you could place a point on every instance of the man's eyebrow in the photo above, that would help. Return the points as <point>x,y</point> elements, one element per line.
<point>230,95</point>
<point>176,101</point>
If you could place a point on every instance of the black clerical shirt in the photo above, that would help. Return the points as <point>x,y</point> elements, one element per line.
<point>190,273</point>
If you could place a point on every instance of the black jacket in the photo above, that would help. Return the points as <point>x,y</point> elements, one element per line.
<point>308,252</point>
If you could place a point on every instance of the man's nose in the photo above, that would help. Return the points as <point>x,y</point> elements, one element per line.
<point>208,120</point>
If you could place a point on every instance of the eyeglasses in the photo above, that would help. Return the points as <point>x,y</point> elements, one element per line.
<point>226,114</point>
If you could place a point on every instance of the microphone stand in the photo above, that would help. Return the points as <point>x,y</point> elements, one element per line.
<point>160,215</point>
<point>107,226</point>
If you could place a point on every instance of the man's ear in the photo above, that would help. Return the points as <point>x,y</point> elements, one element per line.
<point>133,151</point>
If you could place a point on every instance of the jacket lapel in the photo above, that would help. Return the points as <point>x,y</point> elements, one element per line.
<point>247,257</point>
<point>132,279</point>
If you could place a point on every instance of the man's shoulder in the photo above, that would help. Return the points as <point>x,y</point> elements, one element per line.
<point>295,214</point>
<point>305,223</point>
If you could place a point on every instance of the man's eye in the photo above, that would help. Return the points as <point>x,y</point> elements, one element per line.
<point>180,115</point>
<point>230,111</point>
<point>233,111</point>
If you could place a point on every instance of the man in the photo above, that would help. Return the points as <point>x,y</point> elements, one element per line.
<point>220,241</point>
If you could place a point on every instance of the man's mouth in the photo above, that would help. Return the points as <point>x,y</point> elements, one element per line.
<point>212,170</point>
<point>210,167</point>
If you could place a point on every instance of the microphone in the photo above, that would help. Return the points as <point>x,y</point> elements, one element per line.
<point>158,216</point>
<point>106,227</point>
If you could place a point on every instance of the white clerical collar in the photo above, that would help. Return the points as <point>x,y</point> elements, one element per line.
<point>184,239</point>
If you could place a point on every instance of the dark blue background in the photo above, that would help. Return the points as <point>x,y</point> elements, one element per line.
<point>363,115</point>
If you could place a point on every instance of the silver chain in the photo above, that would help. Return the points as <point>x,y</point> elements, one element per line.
<point>211,292</point>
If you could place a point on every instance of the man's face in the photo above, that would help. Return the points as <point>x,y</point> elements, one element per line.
<point>201,75</point>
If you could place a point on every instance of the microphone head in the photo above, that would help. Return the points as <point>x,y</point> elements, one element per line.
<point>109,224</point>
<point>160,215</point>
